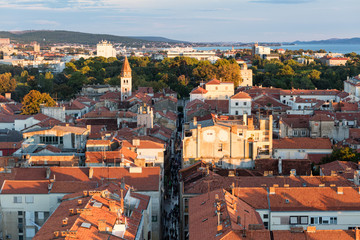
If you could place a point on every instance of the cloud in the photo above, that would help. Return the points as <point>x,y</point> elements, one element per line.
<point>282,1</point>
<point>45,22</point>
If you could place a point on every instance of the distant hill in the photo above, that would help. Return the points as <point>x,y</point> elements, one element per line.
<point>59,36</point>
<point>331,41</point>
<point>157,39</point>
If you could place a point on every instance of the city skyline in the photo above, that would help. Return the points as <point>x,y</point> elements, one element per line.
<point>200,21</point>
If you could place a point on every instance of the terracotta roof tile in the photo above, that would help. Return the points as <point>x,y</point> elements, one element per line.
<point>241,95</point>
<point>302,143</point>
<point>198,90</point>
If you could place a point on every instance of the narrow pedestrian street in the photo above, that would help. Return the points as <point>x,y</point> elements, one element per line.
<point>170,216</point>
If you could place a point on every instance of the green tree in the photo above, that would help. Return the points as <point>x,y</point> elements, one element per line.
<point>342,154</point>
<point>32,101</point>
<point>7,83</point>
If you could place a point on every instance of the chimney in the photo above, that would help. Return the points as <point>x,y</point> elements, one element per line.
<point>64,222</point>
<point>311,229</point>
<point>102,225</point>
<point>245,119</point>
<point>272,190</point>
<point>333,173</point>
<point>72,211</point>
<point>112,206</point>
<point>238,220</point>
<point>250,124</point>
<point>122,201</point>
<point>280,165</point>
<point>48,171</point>
<point>79,201</point>
<point>357,233</point>
<point>233,189</point>
<point>85,193</point>
<point>293,172</point>
<point>340,190</point>
<point>219,226</point>
<point>195,121</point>
<point>8,96</point>
<point>91,173</point>
<point>88,127</point>
<point>67,125</point>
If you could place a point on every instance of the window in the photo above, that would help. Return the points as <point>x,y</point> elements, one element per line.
<point>236,112</point>
<point>303,133</point>
<point>293,220</point>
<point>266,224</point>
<point>29,199</point>
<point>220,148</point>
<point>295,132</point>
<point>266,216</point>
<point>323,220</point>
<point>17,199</point>
<point>20,213</point>
<point>244,103</point>
<point>303,220</point>
<point>154,218</point>
<point>333,220</point>
<point>236,104</point>
<point>50,139</point>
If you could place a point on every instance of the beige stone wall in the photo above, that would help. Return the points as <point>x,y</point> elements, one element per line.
<point>230,144</point>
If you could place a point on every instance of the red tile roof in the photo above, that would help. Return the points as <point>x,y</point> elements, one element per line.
<point>213,82</point>
<point>201,212</point>
<point>302,143</point>
<point>198,90</point>
<point>94,214</point>
<point>315,199</point>
<point>317,235</point>
<point>316,158</point>
<point>25,187</point>
<point>301,122</point>
<point>321,117</point>
<point>241,95</point>
<point>341,168</point>
<point>219,106</point>
<point>309,92</point>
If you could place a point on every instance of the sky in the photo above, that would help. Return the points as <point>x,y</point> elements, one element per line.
<point>190,20</point>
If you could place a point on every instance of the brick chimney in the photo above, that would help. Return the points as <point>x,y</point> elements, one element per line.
<point>195,121</point>
<point>122,201</point>
<point>112,206</point>
<point>65,222</point>
<point>245,119</point>
<point>91,173</point>
<point>250,124</point>
<point>8,96</point>
<point>311,229</point>
<point>102,225</point>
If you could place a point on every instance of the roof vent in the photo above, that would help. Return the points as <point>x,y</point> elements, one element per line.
<point>85,225</point>
<point>287,201</point>
<point>65,222</point>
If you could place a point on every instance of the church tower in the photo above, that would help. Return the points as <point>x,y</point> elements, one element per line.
<point>125,80</point>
